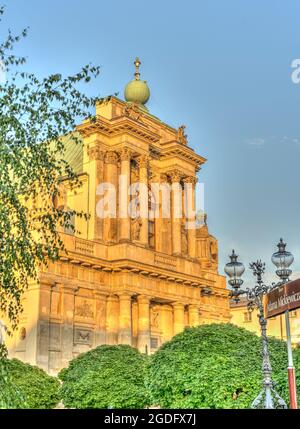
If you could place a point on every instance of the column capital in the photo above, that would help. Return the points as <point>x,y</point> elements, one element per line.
<point>100,294</point>
<point>112,298</point>
<point>125,295</point>
<point>178,305</point>
<point>67,288</point>
<point>164,178</point>
<point>191,179</point>
<point>111,157</point>
<point>143,299</point>
<point>95,153</point>
<point>194,306</point>
<point>175,176</point>
<point>143,161</point>
<point>125,154</point>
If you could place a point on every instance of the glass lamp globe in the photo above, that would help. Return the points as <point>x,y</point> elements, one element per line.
<point>282,259</point>
<point>234,270</point>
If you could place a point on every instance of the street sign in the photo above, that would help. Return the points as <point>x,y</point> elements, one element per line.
<point>283,298</point>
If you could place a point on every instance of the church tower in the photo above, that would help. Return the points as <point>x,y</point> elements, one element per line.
<point>127,277</point>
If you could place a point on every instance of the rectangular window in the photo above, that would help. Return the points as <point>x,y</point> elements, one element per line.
<point>154,343</point>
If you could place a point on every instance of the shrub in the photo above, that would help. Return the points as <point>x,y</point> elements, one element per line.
<point>106,377</point>
<point>26,386</point>
<point>214,366</point>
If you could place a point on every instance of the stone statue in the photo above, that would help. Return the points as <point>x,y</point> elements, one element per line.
<point>132,111</point>
<point>181,136</point>
<point>136,228</point>
<point>201,218</point>
<point>214,250</point>
<point>184,241</point>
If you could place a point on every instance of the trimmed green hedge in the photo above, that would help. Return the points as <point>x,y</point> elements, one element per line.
<point>106,377</point>
<point>26,386</point>
<point>214,366</point>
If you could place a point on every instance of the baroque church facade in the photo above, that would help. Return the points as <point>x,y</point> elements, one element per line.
<point>123,280</point>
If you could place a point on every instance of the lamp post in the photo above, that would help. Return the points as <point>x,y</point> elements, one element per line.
<point>268,398</point>
<point>283,259</point>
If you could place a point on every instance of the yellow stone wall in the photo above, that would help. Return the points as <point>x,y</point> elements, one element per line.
<point>116,284</point>
<point>276,325</point>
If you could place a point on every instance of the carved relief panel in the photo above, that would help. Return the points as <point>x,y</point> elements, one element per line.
<point>84,308</point>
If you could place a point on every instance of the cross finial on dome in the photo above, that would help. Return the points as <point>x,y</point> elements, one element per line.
<point>137,64</point>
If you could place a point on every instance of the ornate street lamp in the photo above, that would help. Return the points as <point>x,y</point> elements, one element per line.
<point>268,398</point>
<point>283,259</point>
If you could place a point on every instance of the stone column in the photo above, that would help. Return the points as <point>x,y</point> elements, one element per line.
<point>143,335</point>
<point>43,326</point>
<point>67,328</point>
<point>189,188</point>
<point>143,163</point>
<point>178,312</point>
<point>176,212</point>
<point>96,157</point>
<point>193,315</point>
<point>110,232</point>
<point>100,328</point>
<point>125,328</point>
<point>124,183</point>
<point>112,319</point>
<point>33,313</point>
<point>163,230</point>
<point>167,322</point>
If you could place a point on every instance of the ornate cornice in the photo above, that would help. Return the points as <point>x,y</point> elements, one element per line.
<point>121,125</point>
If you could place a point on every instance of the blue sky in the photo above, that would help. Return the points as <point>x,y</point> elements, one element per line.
<point>221,68</point>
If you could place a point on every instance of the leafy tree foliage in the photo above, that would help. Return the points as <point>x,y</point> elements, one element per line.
<point>215,366</point>
<point>35,115</point>
<point>26,386</point>
<point>106,377</point>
